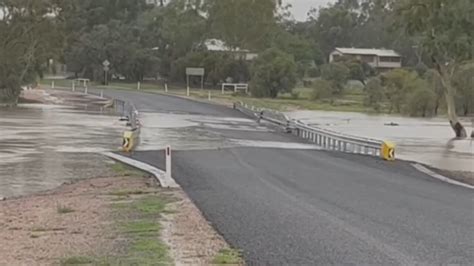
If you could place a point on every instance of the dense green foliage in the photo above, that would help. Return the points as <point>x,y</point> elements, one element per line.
<point>28,40</point>
<point>273,72</point>
<point>142,41</point>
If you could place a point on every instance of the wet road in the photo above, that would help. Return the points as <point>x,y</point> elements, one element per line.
<point>291,206</point>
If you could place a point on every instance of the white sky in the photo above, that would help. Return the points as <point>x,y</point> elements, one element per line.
<point>301,7</point>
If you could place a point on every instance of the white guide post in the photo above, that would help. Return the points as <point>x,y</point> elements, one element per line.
<point>168,161</point>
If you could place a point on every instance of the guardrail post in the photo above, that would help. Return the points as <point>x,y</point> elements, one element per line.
<point>101,93</point>
<point>168,161</point>
<point>187,91</point>
<point>85,90</point>
<point>209,95</point>
<point>73,85</point>
<point>138,86</point>
<point>52,84</point>
<point>345,146</point>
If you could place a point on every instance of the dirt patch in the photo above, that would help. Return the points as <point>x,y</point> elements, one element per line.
<point>191,239</point>
<point>112,220</point>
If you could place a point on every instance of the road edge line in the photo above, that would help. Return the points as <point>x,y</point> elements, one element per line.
<point>437,176</point>
<point>158,173</point>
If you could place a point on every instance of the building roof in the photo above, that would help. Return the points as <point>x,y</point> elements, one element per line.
<point>220,46</point>
<point>377,52</point>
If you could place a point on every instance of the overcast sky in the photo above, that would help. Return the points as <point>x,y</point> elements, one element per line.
<point>301,7</point>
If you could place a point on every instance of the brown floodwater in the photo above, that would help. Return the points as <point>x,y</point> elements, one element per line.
<point>43,146</point>
<point>426,140</point>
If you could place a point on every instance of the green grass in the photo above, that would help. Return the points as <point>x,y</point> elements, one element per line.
<point>125,170</point>
<point>64,209</point>
<point>77,260</point>
<point>142,227</point>
<point>228,256</point>
<point>143,231</point>
<point>125,193</point>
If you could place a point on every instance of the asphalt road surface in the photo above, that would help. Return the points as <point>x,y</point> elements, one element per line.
<point>308,207</point>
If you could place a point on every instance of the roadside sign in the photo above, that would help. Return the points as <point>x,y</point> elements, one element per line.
<point>106,68</point>
<point>106,63</point>
<point>194,71</point>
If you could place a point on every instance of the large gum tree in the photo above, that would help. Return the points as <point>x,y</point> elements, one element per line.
<point>445,32</point>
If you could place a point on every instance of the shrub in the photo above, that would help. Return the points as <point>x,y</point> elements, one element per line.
<point>374,93</point>
<point>321,90</point>
<point>421,102</point>
<point>273,72</point>
<point>337,74</point>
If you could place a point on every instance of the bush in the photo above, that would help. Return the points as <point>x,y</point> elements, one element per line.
<point>337,74</point>
<point>321,90</point>
<point>295,95</point>
<point>273,72</point>
<point>374,93</point>
<point>421,102</point>
<point>313,72</point>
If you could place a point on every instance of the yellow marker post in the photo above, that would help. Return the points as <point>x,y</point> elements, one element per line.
<point>130,140</point>
<point>388,151</point>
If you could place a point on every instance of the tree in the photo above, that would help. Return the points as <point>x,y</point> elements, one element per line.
<point>333,26</point>
<point>421,102</point>
<point>374,93</point>
<point>336,73</point>
<point>443,29</point>
<point>273,72</point>
<point>242,23</point>
<point>30,36</point>
<point>434,82</point>
<point>358,70</point>
<point>398,84</point>
<point>463,81</point>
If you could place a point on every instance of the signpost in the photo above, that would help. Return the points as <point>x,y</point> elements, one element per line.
<point>106,65</point>
<point>194,71</point>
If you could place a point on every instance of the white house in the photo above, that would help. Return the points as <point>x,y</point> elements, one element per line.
<point>380,59</point>
<point>216,45</point>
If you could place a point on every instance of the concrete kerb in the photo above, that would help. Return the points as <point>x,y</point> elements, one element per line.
<point>160,175</point>
<point>442,178</point>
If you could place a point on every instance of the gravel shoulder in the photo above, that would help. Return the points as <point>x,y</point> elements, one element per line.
<point>122,219</point>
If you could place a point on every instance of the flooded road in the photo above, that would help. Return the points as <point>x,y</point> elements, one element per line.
<point>42,146</point>
<point>427,141</point>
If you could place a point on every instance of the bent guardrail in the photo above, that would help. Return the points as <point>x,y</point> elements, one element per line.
<point>324,138</point>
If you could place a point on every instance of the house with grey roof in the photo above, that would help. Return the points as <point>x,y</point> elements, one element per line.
<point>380,59</point>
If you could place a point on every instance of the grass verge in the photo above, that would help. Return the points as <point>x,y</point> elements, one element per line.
<point>228,257</point>
<point>125,170</point>
<point>64,209</point>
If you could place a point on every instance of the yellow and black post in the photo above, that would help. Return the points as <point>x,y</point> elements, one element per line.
<point>388,151</point>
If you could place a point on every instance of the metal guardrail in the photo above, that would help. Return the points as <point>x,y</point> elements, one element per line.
<point>324,138</point>
<point>128,112</point>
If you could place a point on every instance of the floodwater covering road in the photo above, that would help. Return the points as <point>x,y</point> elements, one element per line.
<point>278,199</point>
<point>293,206</point>
<point>424,140</point>
<point>43,146</point>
